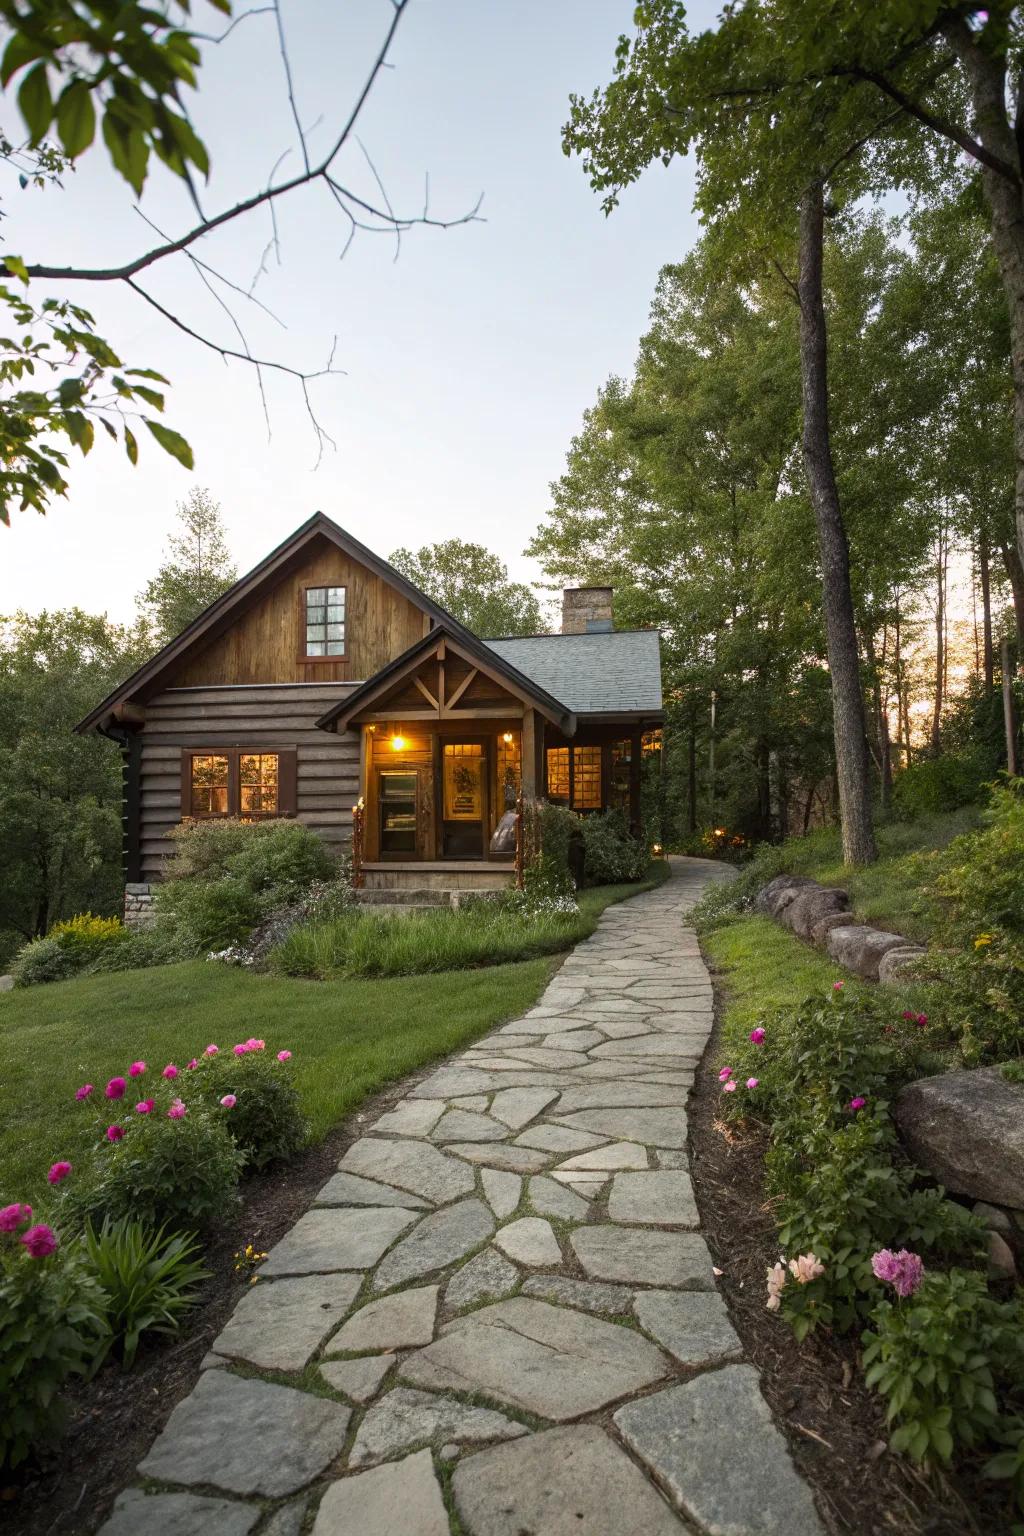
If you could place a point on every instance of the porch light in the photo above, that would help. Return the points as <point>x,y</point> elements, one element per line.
<point>397,743</point>
<point>507,738</point>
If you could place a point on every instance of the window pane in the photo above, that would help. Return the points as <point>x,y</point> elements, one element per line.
<point>335,594</point>
<point>257,774</point>
<point>586,769</point>
<point>314,648</point>
<point>335,631</point>
<point>335,615</point>
<point>316,615</point>
<point>558,774</point>
<point>209,796</point>
<point>315,597</point>
<point>335,647</point>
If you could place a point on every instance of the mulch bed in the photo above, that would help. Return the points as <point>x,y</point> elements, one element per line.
<point>114,1419</point>
<point>834,1425</point>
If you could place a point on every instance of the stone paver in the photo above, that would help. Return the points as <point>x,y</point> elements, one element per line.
<point>575,1114</point>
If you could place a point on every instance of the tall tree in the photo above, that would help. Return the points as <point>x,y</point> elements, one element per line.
<point>474,586</point>
<point>197,569</point>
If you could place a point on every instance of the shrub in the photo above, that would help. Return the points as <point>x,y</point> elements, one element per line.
<point>148,1280</point>
<point>264,1120</point>
<point>42,960</point>
<point>85,935</point>
<point>945,783</point>
<point>208,914</point>
<point>611,854</point>
<point>52,1326</point>
<point>553,836</point>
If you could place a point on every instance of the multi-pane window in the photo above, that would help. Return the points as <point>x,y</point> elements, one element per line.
<point>325,621</point>
<point>558,775</point>
<point>209,795</point>
<point>234,782</point>
<point>586,779</point>
<point>619,774</point>
<point>257,774</point>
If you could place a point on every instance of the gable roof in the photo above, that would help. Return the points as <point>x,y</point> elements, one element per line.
<point>612,673</point>
<point>478,652</point>
<point>218,616</point>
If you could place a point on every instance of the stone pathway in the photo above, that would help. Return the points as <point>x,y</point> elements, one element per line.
<point>500,1317</point>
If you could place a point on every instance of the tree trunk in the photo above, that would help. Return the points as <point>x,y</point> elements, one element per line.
<point>840,629</point>
<point>691,767</point>
<point>940,644</point>
<point>1015,571</point>
<point>985,577</point>
<point>1009,720</point>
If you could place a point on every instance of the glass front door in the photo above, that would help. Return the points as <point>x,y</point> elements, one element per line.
<point>398,802</point>
<point>464,793</point>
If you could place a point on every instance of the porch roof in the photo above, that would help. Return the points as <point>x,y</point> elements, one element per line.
<point>616,672</point>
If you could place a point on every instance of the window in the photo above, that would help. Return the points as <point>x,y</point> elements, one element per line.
<point>619,775</point>
<point>323,617</point>
<point>235,782</point>
<point>586,779</point>
<point>558,775</point>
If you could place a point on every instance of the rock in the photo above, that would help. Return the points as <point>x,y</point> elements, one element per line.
<point>670,1048</point>
<point>550,1198</point>
<point>586,1295</point>
<point>823,927</point>
<point>562,1482</point>
<point>395,1322</point>
<point>248,1437</point>
<point>402,1496</point>
<point>348,1189</point>
<point>503,1191</point>
<point>403,1418</point>
<point>613,1095</point>
<point>488,1275</point>
<point>286,1521</point>
<point>638,1257</point>
<point>412,1165</point>
<point>558,1138</point>
<point>967,1130</point>
<point>995,1219</point>
<point>463,1125</point>
<point>177,1514</point>
<point>279,1326</point>
<point>516,1107</point>
<point>693,1325</point>
<point>529,1241</point>
<point>6,983</point>
<point>572,1040</point>
<point>512,1159</point>
<point>810,905</point>
<point>712,1443</point>
<point>1001,1263</point>
<point>663,1198</point>
<point>440,1239</point>
<point>655,1127</point>
<point>621,1154</point>
<point>860,948</point>
<point>358,1379</point>
<point>544,1359</point>
<point>774,897</point>
<point>413,1117</point>
<point>474,1101</point>
<point>331,1239</point>
<point>896,961</point>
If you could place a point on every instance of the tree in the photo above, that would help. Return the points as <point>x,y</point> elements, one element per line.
<point>197,570</point>
<point>474,586</point>
<point>78,66</point>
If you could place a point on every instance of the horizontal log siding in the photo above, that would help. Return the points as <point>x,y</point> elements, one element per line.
<point>280,717</point>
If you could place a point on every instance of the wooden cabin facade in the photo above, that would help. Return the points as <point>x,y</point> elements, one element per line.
<point>324,677</point>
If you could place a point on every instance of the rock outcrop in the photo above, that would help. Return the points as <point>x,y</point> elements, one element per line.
<point>821,914</point>
<point>967,1130</point>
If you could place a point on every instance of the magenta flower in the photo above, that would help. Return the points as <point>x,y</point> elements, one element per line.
<point>84,1091</point>
<point>136,1069</point>
<point>922,1020</point>
<point>57,1172</point>
<point>728,1087</point>
<point>145,1107</point>
<point>725,1074</point>
<point>170,1071</point>
<point>40,1241</point>
<point>229,1101</point>
<point>211,1050</point>
<point>115,1132</point>
<point>115,1088</point>
<point>757,1035</point>
<point>12,1216</point>
<point>240,1050</point>
<point>284,1055</point>
<point>193,1064</point>
<point>909,1014</point>
<point>176,1110</point>
<point>837,986</point>
<point>255,1045</point>
<point>904,1271</point>
<point>752,1082</point>
<point>857,1103</point>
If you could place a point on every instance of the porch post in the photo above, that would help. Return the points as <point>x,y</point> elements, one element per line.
<point>530,753</point>
<point>636,747</point>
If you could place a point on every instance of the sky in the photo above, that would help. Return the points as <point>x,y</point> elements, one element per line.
<point>468,361</point>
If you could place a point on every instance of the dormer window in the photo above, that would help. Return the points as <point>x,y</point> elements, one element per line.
<point>323,619</point>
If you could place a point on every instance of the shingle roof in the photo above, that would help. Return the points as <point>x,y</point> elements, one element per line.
<point>617,672</point>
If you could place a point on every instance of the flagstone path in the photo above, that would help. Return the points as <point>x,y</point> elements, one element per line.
<point>500,1317</point>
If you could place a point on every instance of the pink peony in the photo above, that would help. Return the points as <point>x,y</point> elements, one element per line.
<point>725,1074</point>
<point>211,1050</point>
<point>176,1110</point>
<point>229,1101</point>
<point>12,1216</point>
<point>145,1107</point>
<point>752,1082</point>
<point>728,1087</point>
<point>284,1055</point>
<point>255,1045</point>
<point>115,1132</point>
<point>240,1050</point>
<point>757,1035</point>
<point>170,1071</point>
<point>40,1241</point>
<point>776,1285</point>
<point>909,1014</point>
<point>136,1069</point>
<point>904,1271</point>
<point>193,1064</point>
<point>806,1268</point>
<point>57,1172</point>
<point>921,1020</point>
<point>857,1103</point>
<point>84,1091</point>
<point>115,1088</point>
<point>837,986</point>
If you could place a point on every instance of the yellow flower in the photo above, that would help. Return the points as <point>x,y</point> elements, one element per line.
<point>982,940</point>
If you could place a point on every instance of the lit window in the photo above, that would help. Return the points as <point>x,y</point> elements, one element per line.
<point>619,774</point>
<point>558,775</point>
<point>258,784</point>
<point>209,786</point>
<point>325,621</point>
<point>586,778</point>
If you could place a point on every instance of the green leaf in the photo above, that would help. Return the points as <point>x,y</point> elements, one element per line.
<point>172,442</point>
<point>35,102</point>
<point>131,447</point>
<point>16,267</point>
<point>76,118</point>
<point>21,50</point>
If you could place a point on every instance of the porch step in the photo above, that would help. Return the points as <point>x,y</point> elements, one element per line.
<point>403,896</point>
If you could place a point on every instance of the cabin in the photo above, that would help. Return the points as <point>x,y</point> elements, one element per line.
<point>324,682</point>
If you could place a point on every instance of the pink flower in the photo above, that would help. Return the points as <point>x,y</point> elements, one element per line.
<point>857,1103</point>
<point>193,1064</point>
<point>922,1020</point>
<point>57,1172</point>
<point>229,1101</point>
<point>12,1216</point>
<point>725,1074</point>
<point>837,986</point>
<point>170,1071</point>
<point>904,1271</point>
<point>211,1050</point>
<point>728,1087</point>
<point>284,1055</point>
<point>757,1035</point>
<point>806,1268</point>
<point>752,1082</point>
<point>84,1091</point>
<point>40,1241</point>
<point>115,1132</point>
<point>136,1069</point>
<point>145,1107</point>
<point>776,1284</point>
<point>240,1050</point>
<point>115,1088</point>
<point>176,1110</point>
<point>909,1014</point>
<point>255,1045</point>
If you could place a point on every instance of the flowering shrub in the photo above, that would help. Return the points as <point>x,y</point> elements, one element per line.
<point>52,1325</point>
<point>253,1090</point>
<point>68,948</point>
<point>85,933</point>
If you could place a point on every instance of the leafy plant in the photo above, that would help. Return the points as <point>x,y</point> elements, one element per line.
<point>42,960</point>
<point>611,853</point>
<point>263,1117</point>
<point>148,1279</point>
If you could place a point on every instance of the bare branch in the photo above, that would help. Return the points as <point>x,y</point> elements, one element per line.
<point>209,37</point>
<point>289,82</point>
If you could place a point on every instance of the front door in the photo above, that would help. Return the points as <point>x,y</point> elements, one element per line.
<point>464,799</point>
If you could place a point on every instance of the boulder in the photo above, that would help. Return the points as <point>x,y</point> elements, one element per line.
<point>860,949</point>
<point>809,906</point>
<point>823,927</point>
<point>967,1130</point>
<point>895,961</point>
<point>774,897</point>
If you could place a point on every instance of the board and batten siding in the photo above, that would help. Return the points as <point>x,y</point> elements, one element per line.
<point>269,717</point>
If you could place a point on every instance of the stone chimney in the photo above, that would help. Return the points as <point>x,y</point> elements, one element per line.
<point>587,611</point>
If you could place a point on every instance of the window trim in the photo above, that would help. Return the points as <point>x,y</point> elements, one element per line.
<point>313,661</point>
<point>287,786</point>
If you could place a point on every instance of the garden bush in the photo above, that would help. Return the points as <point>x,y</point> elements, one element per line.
<point>611,854</point>
<point>265,1120</point>
<point>554,847</point>
<point>42,960</point>
<point>148,1279</point>
<point>52,1326</point>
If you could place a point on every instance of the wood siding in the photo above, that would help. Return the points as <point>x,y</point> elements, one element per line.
<point>263,644</point>
<point>276,718</point>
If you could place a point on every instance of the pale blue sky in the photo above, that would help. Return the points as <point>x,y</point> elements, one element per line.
<point>469,361</point>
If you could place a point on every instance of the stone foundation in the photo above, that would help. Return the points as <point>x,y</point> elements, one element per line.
<point>138,906</point>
